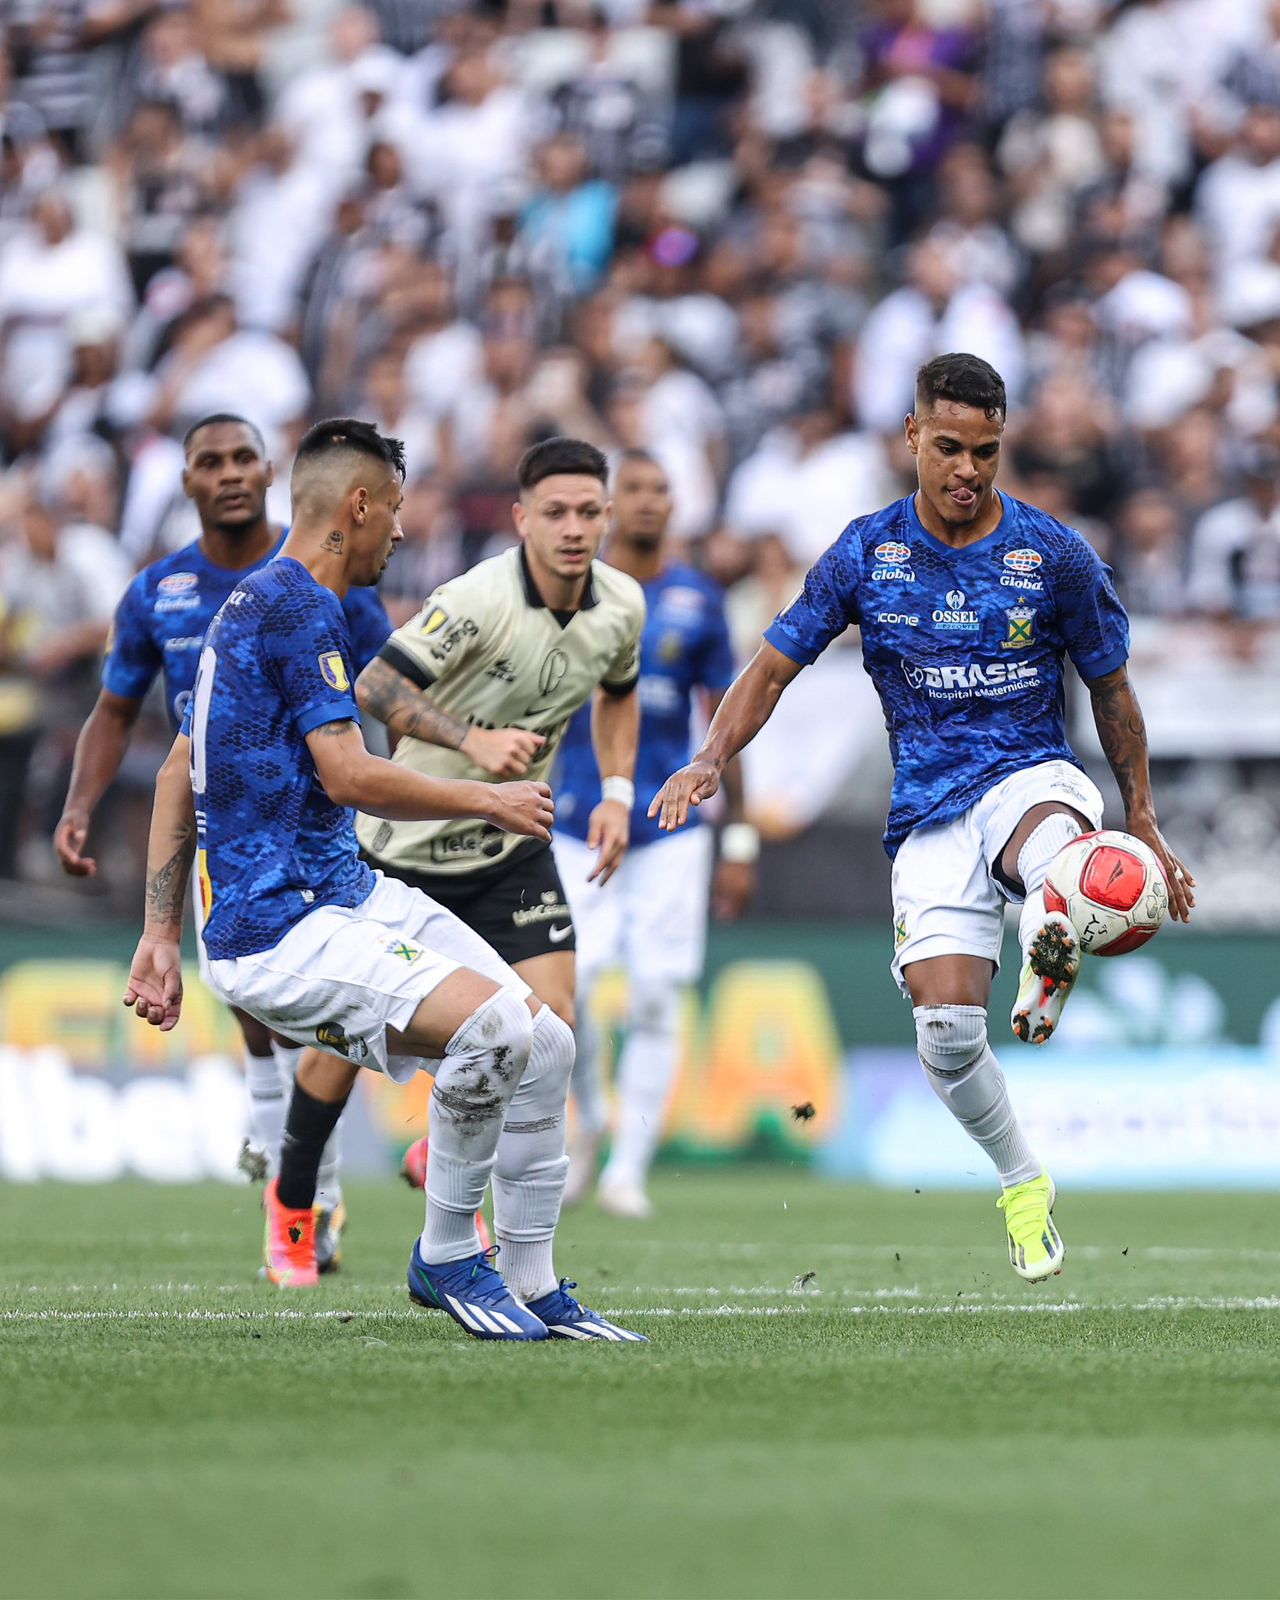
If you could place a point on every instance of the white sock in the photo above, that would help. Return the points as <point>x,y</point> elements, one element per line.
<point>645,1074</point>
<point>1034,860</point>
<point>531,1166</point>
<point>588,1080</point>
<point>268,1106</point>
<point>481,1070</point>
<point>964,1074</point>
<point>329,1175</point>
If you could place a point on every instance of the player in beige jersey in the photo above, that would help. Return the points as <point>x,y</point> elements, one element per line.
<point>482,684</point>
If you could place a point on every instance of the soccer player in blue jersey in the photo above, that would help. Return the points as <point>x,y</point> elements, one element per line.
<point>158,629</point>
<point>967,601</point>
<point>650,917</point>
<point>258,790</point>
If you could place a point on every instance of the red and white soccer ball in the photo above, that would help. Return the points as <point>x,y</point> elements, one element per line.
<point>1112,888</point>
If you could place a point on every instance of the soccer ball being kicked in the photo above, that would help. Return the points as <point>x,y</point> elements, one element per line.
<point>1112,888</point>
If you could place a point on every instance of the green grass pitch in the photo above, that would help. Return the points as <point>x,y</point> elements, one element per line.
<point>908,1421</point>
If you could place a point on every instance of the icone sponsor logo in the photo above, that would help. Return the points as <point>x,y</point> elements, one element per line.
<point>177,583</point>
<point>990,679</point>
<point>955,618</point>
<point>898,617</point>
<point>192,641</point>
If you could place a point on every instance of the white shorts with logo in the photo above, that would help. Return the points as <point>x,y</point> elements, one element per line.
<point>340,978</point>
<point>651,916</point>
<point>947,900</point>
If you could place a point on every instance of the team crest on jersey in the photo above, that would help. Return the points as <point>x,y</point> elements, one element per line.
<point>334,670</point>
<point>177,583</point>
<point>436,620</point>
<point>1021,619</point>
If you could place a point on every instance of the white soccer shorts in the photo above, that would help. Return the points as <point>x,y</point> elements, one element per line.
<point>651,916</point>
<point>946,898</point>
<point>340,978</point>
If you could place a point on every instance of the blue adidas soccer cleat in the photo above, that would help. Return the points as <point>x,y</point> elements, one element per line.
<point>473,1293</point>
<point>566,1319</point>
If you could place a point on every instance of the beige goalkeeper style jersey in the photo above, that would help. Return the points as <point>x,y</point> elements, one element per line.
<point>486,649</point>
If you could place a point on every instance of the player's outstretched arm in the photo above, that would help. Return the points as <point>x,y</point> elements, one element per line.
<point>99,751</point>
<point>747,706</point>
<point>155,977</point>
<point>1124,742</point>
<point>409,713</point>
<point>352,777</point>
<point>615,737</point>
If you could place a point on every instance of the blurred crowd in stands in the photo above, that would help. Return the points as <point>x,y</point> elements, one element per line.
<point>727,231</point>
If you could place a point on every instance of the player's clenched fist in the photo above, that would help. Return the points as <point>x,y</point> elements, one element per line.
<point>505,752</point>
<point>688,787</point>
<point>155,982</point>
<point>525,808</point>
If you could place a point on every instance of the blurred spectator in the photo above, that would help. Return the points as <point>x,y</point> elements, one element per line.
<point>568,222</point>
<point>1235,549</point>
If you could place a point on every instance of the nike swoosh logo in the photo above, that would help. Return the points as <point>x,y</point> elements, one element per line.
<point>558,934</point>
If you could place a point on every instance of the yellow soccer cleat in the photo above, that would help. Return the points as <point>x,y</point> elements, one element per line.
<point>1036,1250</point>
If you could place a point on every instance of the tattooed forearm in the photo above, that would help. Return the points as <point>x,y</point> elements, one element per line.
<point>167,884</point>
<point>388,695</point>
<point>1123,735</point>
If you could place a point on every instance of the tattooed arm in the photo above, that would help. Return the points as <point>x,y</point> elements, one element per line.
<point>155,977</point>
<point>1124,742</point>
<point>409,714</point>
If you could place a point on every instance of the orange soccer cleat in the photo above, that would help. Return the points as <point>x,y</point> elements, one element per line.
<point>413,1169</point>
<point>288,1243</point>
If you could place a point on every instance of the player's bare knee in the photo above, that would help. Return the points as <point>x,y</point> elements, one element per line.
<point>950,1039</point>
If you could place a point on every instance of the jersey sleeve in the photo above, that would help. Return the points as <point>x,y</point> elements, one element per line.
<point>132,657</point>
<point>307,651</point>
<point>438,639</point>
<point>623,672</point>
<point>716,666</point>
<point>1094,625</point>
<point>823,609</point>
<point>368,624</point>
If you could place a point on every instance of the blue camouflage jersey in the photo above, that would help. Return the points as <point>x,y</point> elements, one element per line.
<point>685,646</point>
<point>965,647</point>
<point>272,846</point>
<point>165,612</point>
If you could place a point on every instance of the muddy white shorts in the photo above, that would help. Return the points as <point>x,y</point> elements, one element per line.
<point>651,916</point>
<point>947,900</point>
<point>340,978</point>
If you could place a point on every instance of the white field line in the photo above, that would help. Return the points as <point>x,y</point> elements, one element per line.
<point>884,1252</point>
<point>949,1308</point>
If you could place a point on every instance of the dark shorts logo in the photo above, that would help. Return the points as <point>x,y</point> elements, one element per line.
<point>330,1036</point>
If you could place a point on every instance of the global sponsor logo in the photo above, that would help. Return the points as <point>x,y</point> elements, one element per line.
<point>1023,561</point>
<point>1027,584</point>
<point>891,563</point>
<point>899,617</point>
<point>990,680</point>
<point>955,618</point>
<point>181,602</point>
<point>177,583</point>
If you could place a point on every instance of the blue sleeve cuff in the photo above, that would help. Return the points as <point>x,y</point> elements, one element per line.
<point>328,711</point>
<point>1100,666</point>
<point>783,642</point>
<point>128,685</point>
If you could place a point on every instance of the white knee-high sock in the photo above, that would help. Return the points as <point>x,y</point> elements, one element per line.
<point>645,1075</point>
<point>529,1174</point>
<point>481,1070</point>
<point>268,1105</point>
<point>964,1074</point>
<point>1034,860</point>
<point>587,1083</point>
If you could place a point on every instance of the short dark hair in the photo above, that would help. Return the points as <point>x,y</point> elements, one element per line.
<point>215,417</point>
<point>552,457</point>
<point>347,433</point>
<point>965,380</point>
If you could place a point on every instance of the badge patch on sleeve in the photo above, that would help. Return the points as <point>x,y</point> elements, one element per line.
<point>334,670</point>
<point>436,619</point>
